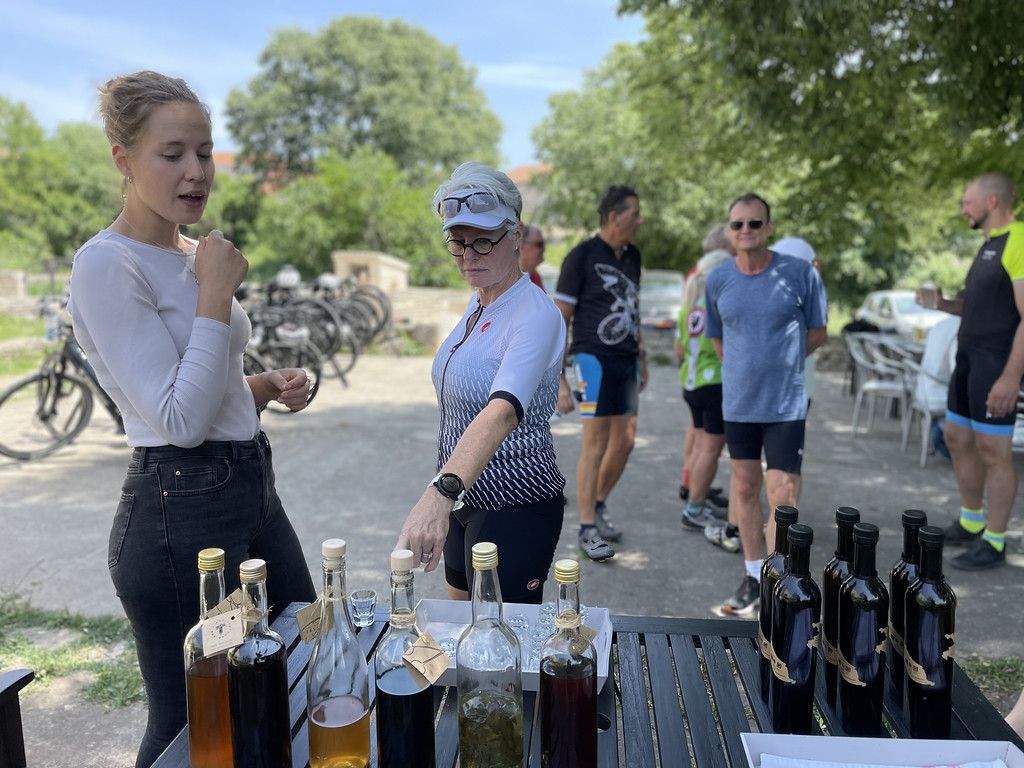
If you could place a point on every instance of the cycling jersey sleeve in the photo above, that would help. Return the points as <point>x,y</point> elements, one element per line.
<point>177,396</point>
<point>536,345</point>
<point>570,278</point>
<point>1013,253</point>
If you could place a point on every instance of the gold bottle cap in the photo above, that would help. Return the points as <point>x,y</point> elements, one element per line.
<point>485,555</point>
<point>333,548</point>
<point>567,571</point>
<point>211,559</point>
<point>252,571</point>
<point>401,560</point>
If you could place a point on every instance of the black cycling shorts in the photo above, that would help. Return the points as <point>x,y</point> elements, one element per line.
<point>526,536</point>
<point>782,442</point>
<point>975,372</point>
<point>609,385</point>
<point>706,408</point>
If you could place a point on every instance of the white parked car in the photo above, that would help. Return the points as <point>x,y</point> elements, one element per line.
<point>897,312</point>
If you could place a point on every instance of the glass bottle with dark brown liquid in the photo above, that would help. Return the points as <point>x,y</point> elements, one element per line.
<point>568,682</point>
<point>796,611</point>
<point>405,706</point>
<point>206,676</point>
<point>337,680</point>
<point>930,622</point>
<point>902,575</point>
<point>836,571</point>
<point>258,682</point>
<point>771,571</point>
<point>863,619</point>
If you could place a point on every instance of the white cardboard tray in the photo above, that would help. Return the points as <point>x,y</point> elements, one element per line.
<point>449,618</point>
<point>908,752</point>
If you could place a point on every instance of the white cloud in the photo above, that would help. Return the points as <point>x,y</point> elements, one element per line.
<point>540,77</point>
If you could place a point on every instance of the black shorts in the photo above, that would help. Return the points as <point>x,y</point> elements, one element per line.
<point>609,385</point>
<point>782,441</point>
<point>975,372</point>
<point>706,408</point>
<point>526,536</point>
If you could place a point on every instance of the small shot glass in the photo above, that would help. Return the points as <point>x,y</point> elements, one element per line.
<point>363,602</point>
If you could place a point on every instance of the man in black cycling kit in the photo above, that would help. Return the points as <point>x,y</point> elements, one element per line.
<point>597,292</point>
<point>982,403</point>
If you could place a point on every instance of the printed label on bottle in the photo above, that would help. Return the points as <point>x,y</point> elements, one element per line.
<point>812,642</point>
<point>895,640</point>
<point>766,647</point>
<point>779,669</point>
<point>223,631</point>
<point>948,653</point>
<point>880,648</point>
<point>916,672</point>
<point>426,660</point>
<point>830,651</point>
<point>849,672</point>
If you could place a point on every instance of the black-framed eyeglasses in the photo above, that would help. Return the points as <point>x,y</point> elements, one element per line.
<point>753,224</point>
<point>477,202</point>
<point>481,245</point>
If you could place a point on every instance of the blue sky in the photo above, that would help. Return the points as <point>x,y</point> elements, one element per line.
<point>57,51</point>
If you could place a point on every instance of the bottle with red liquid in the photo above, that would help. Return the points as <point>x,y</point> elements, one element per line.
<point>568,682</point>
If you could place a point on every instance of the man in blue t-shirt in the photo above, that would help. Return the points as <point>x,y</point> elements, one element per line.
<point>765,314</point>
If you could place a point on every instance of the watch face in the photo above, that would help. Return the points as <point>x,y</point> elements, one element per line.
<point>451,483</point>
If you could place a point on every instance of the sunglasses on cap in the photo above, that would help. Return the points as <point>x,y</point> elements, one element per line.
<point>736,226</point>
<point>476,202</point>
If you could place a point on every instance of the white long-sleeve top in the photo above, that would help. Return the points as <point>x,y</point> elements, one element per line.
<point>176,378</point>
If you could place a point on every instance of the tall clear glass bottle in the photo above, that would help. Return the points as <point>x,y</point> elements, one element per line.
<point>863,618</point>
<point>836,571</point>
<point>488,671</point>
<point>796,612</point>
<point>771,571</point>
<point>206,676</point>
<point>930,622</point>
<point>405,708</point>
<point>258,682</point>
<point>902,575</point>
<point>337,680</point>
<point>568,682</point>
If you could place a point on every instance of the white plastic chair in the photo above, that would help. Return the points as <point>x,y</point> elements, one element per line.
<point>878,376</point>
<point>920,410</point>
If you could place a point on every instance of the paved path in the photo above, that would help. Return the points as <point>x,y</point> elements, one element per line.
<point>354,464</point>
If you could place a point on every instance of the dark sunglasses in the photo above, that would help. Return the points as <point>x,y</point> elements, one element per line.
<point>477,202</point>
<point>481,245</point>
<point>736,226</point>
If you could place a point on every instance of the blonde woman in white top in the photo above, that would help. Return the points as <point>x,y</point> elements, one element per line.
<point>154,312</point>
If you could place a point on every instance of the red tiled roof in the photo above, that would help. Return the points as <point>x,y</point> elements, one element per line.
<point>523,173</point>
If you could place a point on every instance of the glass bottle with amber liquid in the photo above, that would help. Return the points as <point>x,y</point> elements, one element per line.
<point>568,682</point>
<point>258,681</point>
<point>771,571</point>
<point>796,610</point>
<point>206,676</point>
<point>930,624</point>
<point>337,680</point>
<point>902,575</point>
<point>863,622</point>
<point>405,705</point>
<point>836,571</point>
<point>488,672</point>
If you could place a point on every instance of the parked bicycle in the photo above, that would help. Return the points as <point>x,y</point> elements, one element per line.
<point>50,408</point>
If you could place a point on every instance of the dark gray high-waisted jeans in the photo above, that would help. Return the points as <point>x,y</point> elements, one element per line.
<point>176,501</point>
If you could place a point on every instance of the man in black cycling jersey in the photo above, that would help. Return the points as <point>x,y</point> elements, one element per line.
<point>597,292</point>
<point>982,403</point>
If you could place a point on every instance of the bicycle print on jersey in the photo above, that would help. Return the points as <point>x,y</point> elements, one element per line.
<point>624,319</point>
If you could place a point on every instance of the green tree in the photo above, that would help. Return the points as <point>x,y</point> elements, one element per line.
<point>233,208</point>
<point>361,81</point>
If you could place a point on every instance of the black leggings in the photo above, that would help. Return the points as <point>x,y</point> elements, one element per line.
<point>526,536</point>
<point>176,501</point>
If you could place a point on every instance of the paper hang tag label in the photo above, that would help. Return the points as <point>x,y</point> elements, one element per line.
<point>308,619</point>
<point>223,631</point>
<point>426,660</point>
<point>230,603</point>
<point>583,638</point>
<point>588,633</point>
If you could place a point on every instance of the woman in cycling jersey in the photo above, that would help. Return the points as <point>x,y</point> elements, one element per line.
<point>496,378</point>
<point>154,312</point>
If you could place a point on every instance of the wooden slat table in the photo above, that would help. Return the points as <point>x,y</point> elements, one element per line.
<point>680,692</point>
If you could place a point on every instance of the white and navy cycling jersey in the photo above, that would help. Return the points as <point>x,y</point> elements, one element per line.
<point>511,349</point>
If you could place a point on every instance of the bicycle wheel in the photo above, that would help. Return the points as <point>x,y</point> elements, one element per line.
<point>41,413</point>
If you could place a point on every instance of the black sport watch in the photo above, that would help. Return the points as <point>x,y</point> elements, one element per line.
<point>451,487</point>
